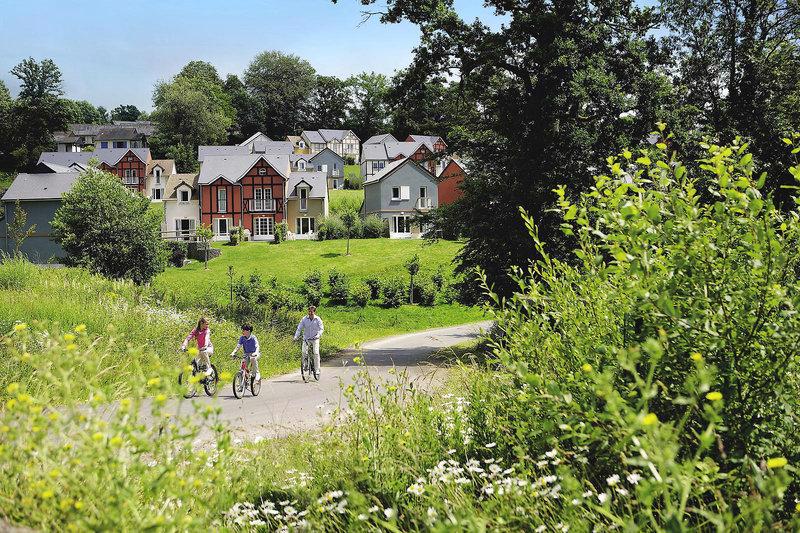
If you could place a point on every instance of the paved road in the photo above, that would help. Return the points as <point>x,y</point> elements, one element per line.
<point>286,405</point>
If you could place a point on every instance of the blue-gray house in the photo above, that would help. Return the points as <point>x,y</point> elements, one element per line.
<point>39,195</point>
<point>332,164</point>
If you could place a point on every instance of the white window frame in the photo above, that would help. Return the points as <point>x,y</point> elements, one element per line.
<point>423,192</point>
<point>157,193</point>
<point>180,231</point>
<point>335,183</point>
<point>227,227</point>
<point>222,199</point>
<point>396,197</point>
<point>303,199</point>
<point>407,224</point>
<point>157,174</point>
<point>187,193</point>
<point>301,165</point>
<point>257,226</point>
<point>262,171</point>
<point>310,225</point>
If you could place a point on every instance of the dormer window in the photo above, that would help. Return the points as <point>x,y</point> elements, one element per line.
<point>262,171</point>
<point>184,195</point>
<point>157,172</point>
<point>301,144</point>
<point>301,165</point>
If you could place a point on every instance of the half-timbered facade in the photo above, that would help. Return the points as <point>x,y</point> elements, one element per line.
<point>129,164</point>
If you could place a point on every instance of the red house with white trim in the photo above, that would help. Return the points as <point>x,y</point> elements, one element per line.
<point>450,180</point>
<point>130,164</point>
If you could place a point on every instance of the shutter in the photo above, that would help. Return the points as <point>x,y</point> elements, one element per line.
<point>405,192</point>
<point>177,224</point>
<point>191,224</point>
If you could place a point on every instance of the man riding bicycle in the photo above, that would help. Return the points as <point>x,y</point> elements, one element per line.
<point>311,328</point>
<point>249,344</point>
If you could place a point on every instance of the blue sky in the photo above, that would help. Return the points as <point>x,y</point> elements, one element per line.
<point>112,52</point>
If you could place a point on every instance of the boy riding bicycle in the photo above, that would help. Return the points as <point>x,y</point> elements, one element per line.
<point>311,327</point>
<point>249,345</point>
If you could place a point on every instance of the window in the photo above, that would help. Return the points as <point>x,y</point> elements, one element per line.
<point>157,174</point>
<point>262,200</point>
<point>335,184</point>
<point>222,200</point>
<point>319,168</point>
<point>222,226</point>
<point>304,225</point>
<point>301,165</point>
<point>395,193</point>
<point>121,144</point>
<point>301,144</point>
<point>157,194</point>
<point>184,227</point>
<point>262,171</point>
<point>304,199</point>
<point>103,144</point>
<point>401,224</point>
<point>263,227</point>
<point>423,192</point>
<point>184,195</point>
<point>130,177</point>
<point>378,165</point>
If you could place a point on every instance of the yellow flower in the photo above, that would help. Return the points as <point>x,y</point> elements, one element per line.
<point>71,347</point>
<point>696,356</point>
<point>125,403</point>
<point>10,404</point>
<point>797,507</point>
<point>777,462</point>
<point>225,376</point>
<point>80,328</point>
<point>54,473</point>
<point>46,495</point>
<point>193,351</point>
<point>78,505</point>
<point>69,337</point>
<point>586,367</point>
<point>650,419</point>
<point>116,441</point>
<point>152,382</point>
<point>161,398</point>
<point>714,396</point>
<point>12,388</point>
<point>97,437</point>
<point>20,327</point>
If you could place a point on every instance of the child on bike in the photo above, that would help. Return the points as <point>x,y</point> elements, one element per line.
<point>202,335</point>
<point>249,345</point>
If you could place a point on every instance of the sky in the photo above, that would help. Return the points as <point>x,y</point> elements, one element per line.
<point>113,53</point>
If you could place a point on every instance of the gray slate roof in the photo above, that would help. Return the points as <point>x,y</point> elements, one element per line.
<point>314,136</point>
<point>204,151</point>
<point>109,156</point>
<point>388,169</point>
<point>381,138</point>
<point>388,150</point>
<point>124,133</point>
<point>234,167</point>
<point>175,180</point>
<point>40,186</point>
<point>324,150</point>
<point>145,127</point>
<point>273,147</point>
<point>46,167</point>
<point>317,180</point>
<point>257,136</point>
<point>429,140</point>
<point>334,135</point>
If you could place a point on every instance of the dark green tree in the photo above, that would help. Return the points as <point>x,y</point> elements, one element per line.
<point>125,112</point>
<point>245,105</point>
<point>105,228</point>
<point>280,85</point>
<point>83,112</point>
<point>328,104</point>
<point>368,113</point>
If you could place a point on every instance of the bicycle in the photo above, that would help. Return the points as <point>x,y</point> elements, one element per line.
<point>244,377</point>
<point>209,382</point>
<point>307,360</point>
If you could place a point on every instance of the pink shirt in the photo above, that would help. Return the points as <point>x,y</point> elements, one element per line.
<point>202,336</point>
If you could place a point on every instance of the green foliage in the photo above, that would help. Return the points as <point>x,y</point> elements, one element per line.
<point>18,228</point>
<point>312,287</point>
<point>412,265</point>
<point>368,113</point>
<point>126,112</point>
<point>16,273</point>
<point>344,200</point>
<point>374,284</point>
<point>328,104</point>
<point>361,294</point>
<point>82,112</point>
<point>281,232</point>
<point>177,252</point>
<point>394,292</point>
<point>338,287</point>
<point>330,228</point>
<point>102,226</point>
<point>374,227</point>
<point>425,293</point>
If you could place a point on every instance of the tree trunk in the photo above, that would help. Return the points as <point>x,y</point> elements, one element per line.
<point>411,292</point>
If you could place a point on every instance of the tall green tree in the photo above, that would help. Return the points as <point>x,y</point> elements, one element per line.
<point>280,85</point>
<point>103,227</point>
<point>37,112</point>
<point>368,113</point>
<point>246,118</point>
<point>328,104</point>
<point>553,88</point>
<point>6,104</point>
<point>83,112</point>
<point>125,112</point>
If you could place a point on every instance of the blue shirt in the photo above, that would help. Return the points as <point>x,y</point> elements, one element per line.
<point>249,344</point>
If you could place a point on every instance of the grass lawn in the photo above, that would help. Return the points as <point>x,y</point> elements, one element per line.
<point>345,200</point>
<point>291,261</point>
<point>353,173</point>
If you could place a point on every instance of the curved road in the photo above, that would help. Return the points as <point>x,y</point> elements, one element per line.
<point>286,405</point>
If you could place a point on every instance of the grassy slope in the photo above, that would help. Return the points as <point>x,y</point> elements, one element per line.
<point>64,298</point>
<point>341,200</point>
<point>291,261</point>
<point>352,172</point>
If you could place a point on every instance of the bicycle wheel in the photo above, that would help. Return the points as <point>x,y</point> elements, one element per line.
<point>238,384</point>
<point>315,369</point>
<point>255,386</point>
<point>186,383</point>
<point>211,381</point>
<point>304,369</point>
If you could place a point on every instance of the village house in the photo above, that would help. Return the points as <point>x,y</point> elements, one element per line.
<point>181,206</point>
<point>450,179</point>
<point>342,142</point>
<point>396,193</point>
<point>129,164</point>
<point>118,134</point>
<point>158,172</point>
<point>306,203</point>
<point>39,195</point>
<point>377,156</point>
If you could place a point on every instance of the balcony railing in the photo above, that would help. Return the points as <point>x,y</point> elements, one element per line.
<point>335,173</point>
<point>424,203</point>
<point>262,205</point>
<point>130,180</point>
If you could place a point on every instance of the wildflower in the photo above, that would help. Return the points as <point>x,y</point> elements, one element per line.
<point>622,491</point>
<point>602,497</point>
<point>12,388</point>
<point>797,507</point>
<point>714,396</point>
<point>586,367</point>
<point>432,514</point>
<point>389,513</point>
<point>153,382</point>
<point>696,356</point>
<point>225,376</point>
<point>634,478</point>
<point>650,419</point>
<point>193,351</point>
<point>362,517</point>
<point>161,398</point>
<point>612,480</point>
<point>97,437</point>
<point>491,445</point>
<point>541,529</point>
<point>69,337</point>
<point>417,489</point>
<point>777,462</point>
<point>374,509</point>
<point>46,495</point>
<point>576,501</point>
<point>451,451</point>
<point>80,328</point>
<point>552,453</point>
<point>22,326</point>
<point>71,347</point>
<point>116,441</point>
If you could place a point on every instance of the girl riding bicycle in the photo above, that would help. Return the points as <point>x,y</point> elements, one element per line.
<point>201,334</point>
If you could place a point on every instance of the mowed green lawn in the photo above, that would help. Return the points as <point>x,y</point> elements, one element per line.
<point>291,261</point>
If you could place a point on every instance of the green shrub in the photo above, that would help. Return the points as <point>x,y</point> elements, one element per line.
<point>331,227</point>
<point>374,284</point>
<point>425,293</point>
<point>338,287</point>
<point>394,292</point>
<point>438,280</point>
<point>373,227</point>
<point>17,273</point>
<point>312,287</point>
<point>177,252</point>
<point>236,236</point>
<point>361,295</point>
<point>281,231</point>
